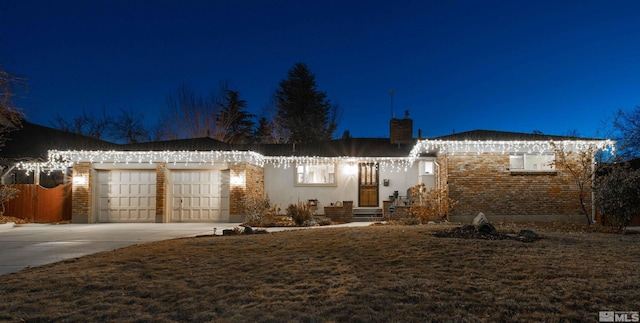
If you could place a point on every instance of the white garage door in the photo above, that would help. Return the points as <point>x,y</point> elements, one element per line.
<point>199,196</point>
<point>127,196</point>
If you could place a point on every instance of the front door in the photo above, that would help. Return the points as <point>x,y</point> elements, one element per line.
<point>368,185</point>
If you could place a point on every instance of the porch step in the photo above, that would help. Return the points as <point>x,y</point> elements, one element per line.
<point>367,214</point>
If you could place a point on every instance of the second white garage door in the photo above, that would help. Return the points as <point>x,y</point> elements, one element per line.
<point>199,196</point>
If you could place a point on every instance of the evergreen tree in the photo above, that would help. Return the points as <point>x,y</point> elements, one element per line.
<point>233,121</point>
<point>304,114</point>
<point>265,132</point>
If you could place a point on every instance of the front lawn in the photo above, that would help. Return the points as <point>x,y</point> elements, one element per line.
<point>364,274</point>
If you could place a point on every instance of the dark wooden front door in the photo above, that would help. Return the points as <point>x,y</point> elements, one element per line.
<point>368,185</point>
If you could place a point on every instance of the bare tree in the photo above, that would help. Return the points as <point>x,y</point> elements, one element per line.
<point>582,167</point>
<point>269,130</point>
<point>617,195</point>
<point>627,126</point>
<point>129,128</point>
<point>221,116</point>
<point>86,124</point>
<point>189,115</point>
<point>159,131</point>
<point>574,133</point>
<point>10,115</point>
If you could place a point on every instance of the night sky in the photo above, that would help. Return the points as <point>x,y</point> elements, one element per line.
<point>551,66</point>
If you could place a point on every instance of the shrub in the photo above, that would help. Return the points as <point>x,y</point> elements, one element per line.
<point>324,221</point>
<point>258,210</point>
<point>617,196</point>
<point>7,193</point>
<point>430,204</point>
<point>411,221</point>
<point>299,213</point>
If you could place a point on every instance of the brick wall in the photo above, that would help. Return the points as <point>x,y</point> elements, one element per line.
<point>400,130</point>
<point>253,182</point>
<point>340,214</point>
<point>81,194</point>
<point>483,183</point>
<point>161,173</point>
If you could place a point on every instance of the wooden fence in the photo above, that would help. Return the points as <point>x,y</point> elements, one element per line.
<point>40,204</point>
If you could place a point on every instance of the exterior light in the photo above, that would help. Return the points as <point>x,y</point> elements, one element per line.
<point>80,179</point>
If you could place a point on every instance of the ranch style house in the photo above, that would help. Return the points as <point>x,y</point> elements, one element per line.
<point>507,176</point>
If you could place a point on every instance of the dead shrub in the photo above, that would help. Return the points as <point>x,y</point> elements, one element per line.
<point>430,204</point>
<point>299,213</point>
<point>7,193</point>
<point>258,210</point>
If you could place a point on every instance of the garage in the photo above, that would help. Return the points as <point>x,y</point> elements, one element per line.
<point>199,195</point>
<point>126,195</point>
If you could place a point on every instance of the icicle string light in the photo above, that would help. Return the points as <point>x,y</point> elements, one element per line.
<point>61,160</point>
<point>507,146</point>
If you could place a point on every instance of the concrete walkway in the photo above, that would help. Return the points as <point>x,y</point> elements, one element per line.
<point>30,245</point>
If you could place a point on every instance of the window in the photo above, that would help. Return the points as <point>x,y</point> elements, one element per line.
<point>316,174</point>
<point>532,162</point>
<point>428,167</point>
<point>516,162</point>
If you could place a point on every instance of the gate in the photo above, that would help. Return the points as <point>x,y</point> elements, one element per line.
<point>40,204</point>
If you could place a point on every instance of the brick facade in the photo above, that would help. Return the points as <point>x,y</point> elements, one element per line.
<point>244,178</point>
<point>341,214</point>
<point>484,183</point>
<point>401,130</point>
<point>81,194</point>
<point>161,173</point>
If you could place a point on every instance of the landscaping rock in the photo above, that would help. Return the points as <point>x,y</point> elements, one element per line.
<point>487,231</point>
<point>248,230</point>
<point>479,219</point>
<point>486,228</point>
<point>468,228</point>
<point>528,234</point>
<point>228,232</point>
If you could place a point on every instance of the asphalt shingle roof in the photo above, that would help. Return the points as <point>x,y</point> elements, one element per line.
<point>501,135</point>
<point>33,142</point>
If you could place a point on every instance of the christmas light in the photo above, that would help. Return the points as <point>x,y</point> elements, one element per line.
<point>61,160</point>
<point>508,146</point>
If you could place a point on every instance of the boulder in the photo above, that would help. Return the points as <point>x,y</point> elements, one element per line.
<point>486,228</point>
<point>248,230</point>
<point>228,232</point>
<point>479,219</point>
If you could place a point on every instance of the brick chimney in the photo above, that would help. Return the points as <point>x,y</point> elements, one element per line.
<point>401,130</point>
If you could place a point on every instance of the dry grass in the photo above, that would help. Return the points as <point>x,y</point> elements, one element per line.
<point>367,274</point>
<point>5,219</point>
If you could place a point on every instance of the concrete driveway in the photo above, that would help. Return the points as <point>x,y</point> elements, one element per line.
<point>30,245</point>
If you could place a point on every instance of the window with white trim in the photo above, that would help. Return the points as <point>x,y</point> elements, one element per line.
<point>316,174</point>
<point>427,167</point>
<point>532,162</point>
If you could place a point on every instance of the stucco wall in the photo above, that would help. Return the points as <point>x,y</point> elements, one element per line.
<point>399,180</point>
<point>484,183</point>
<point>279,185</point>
